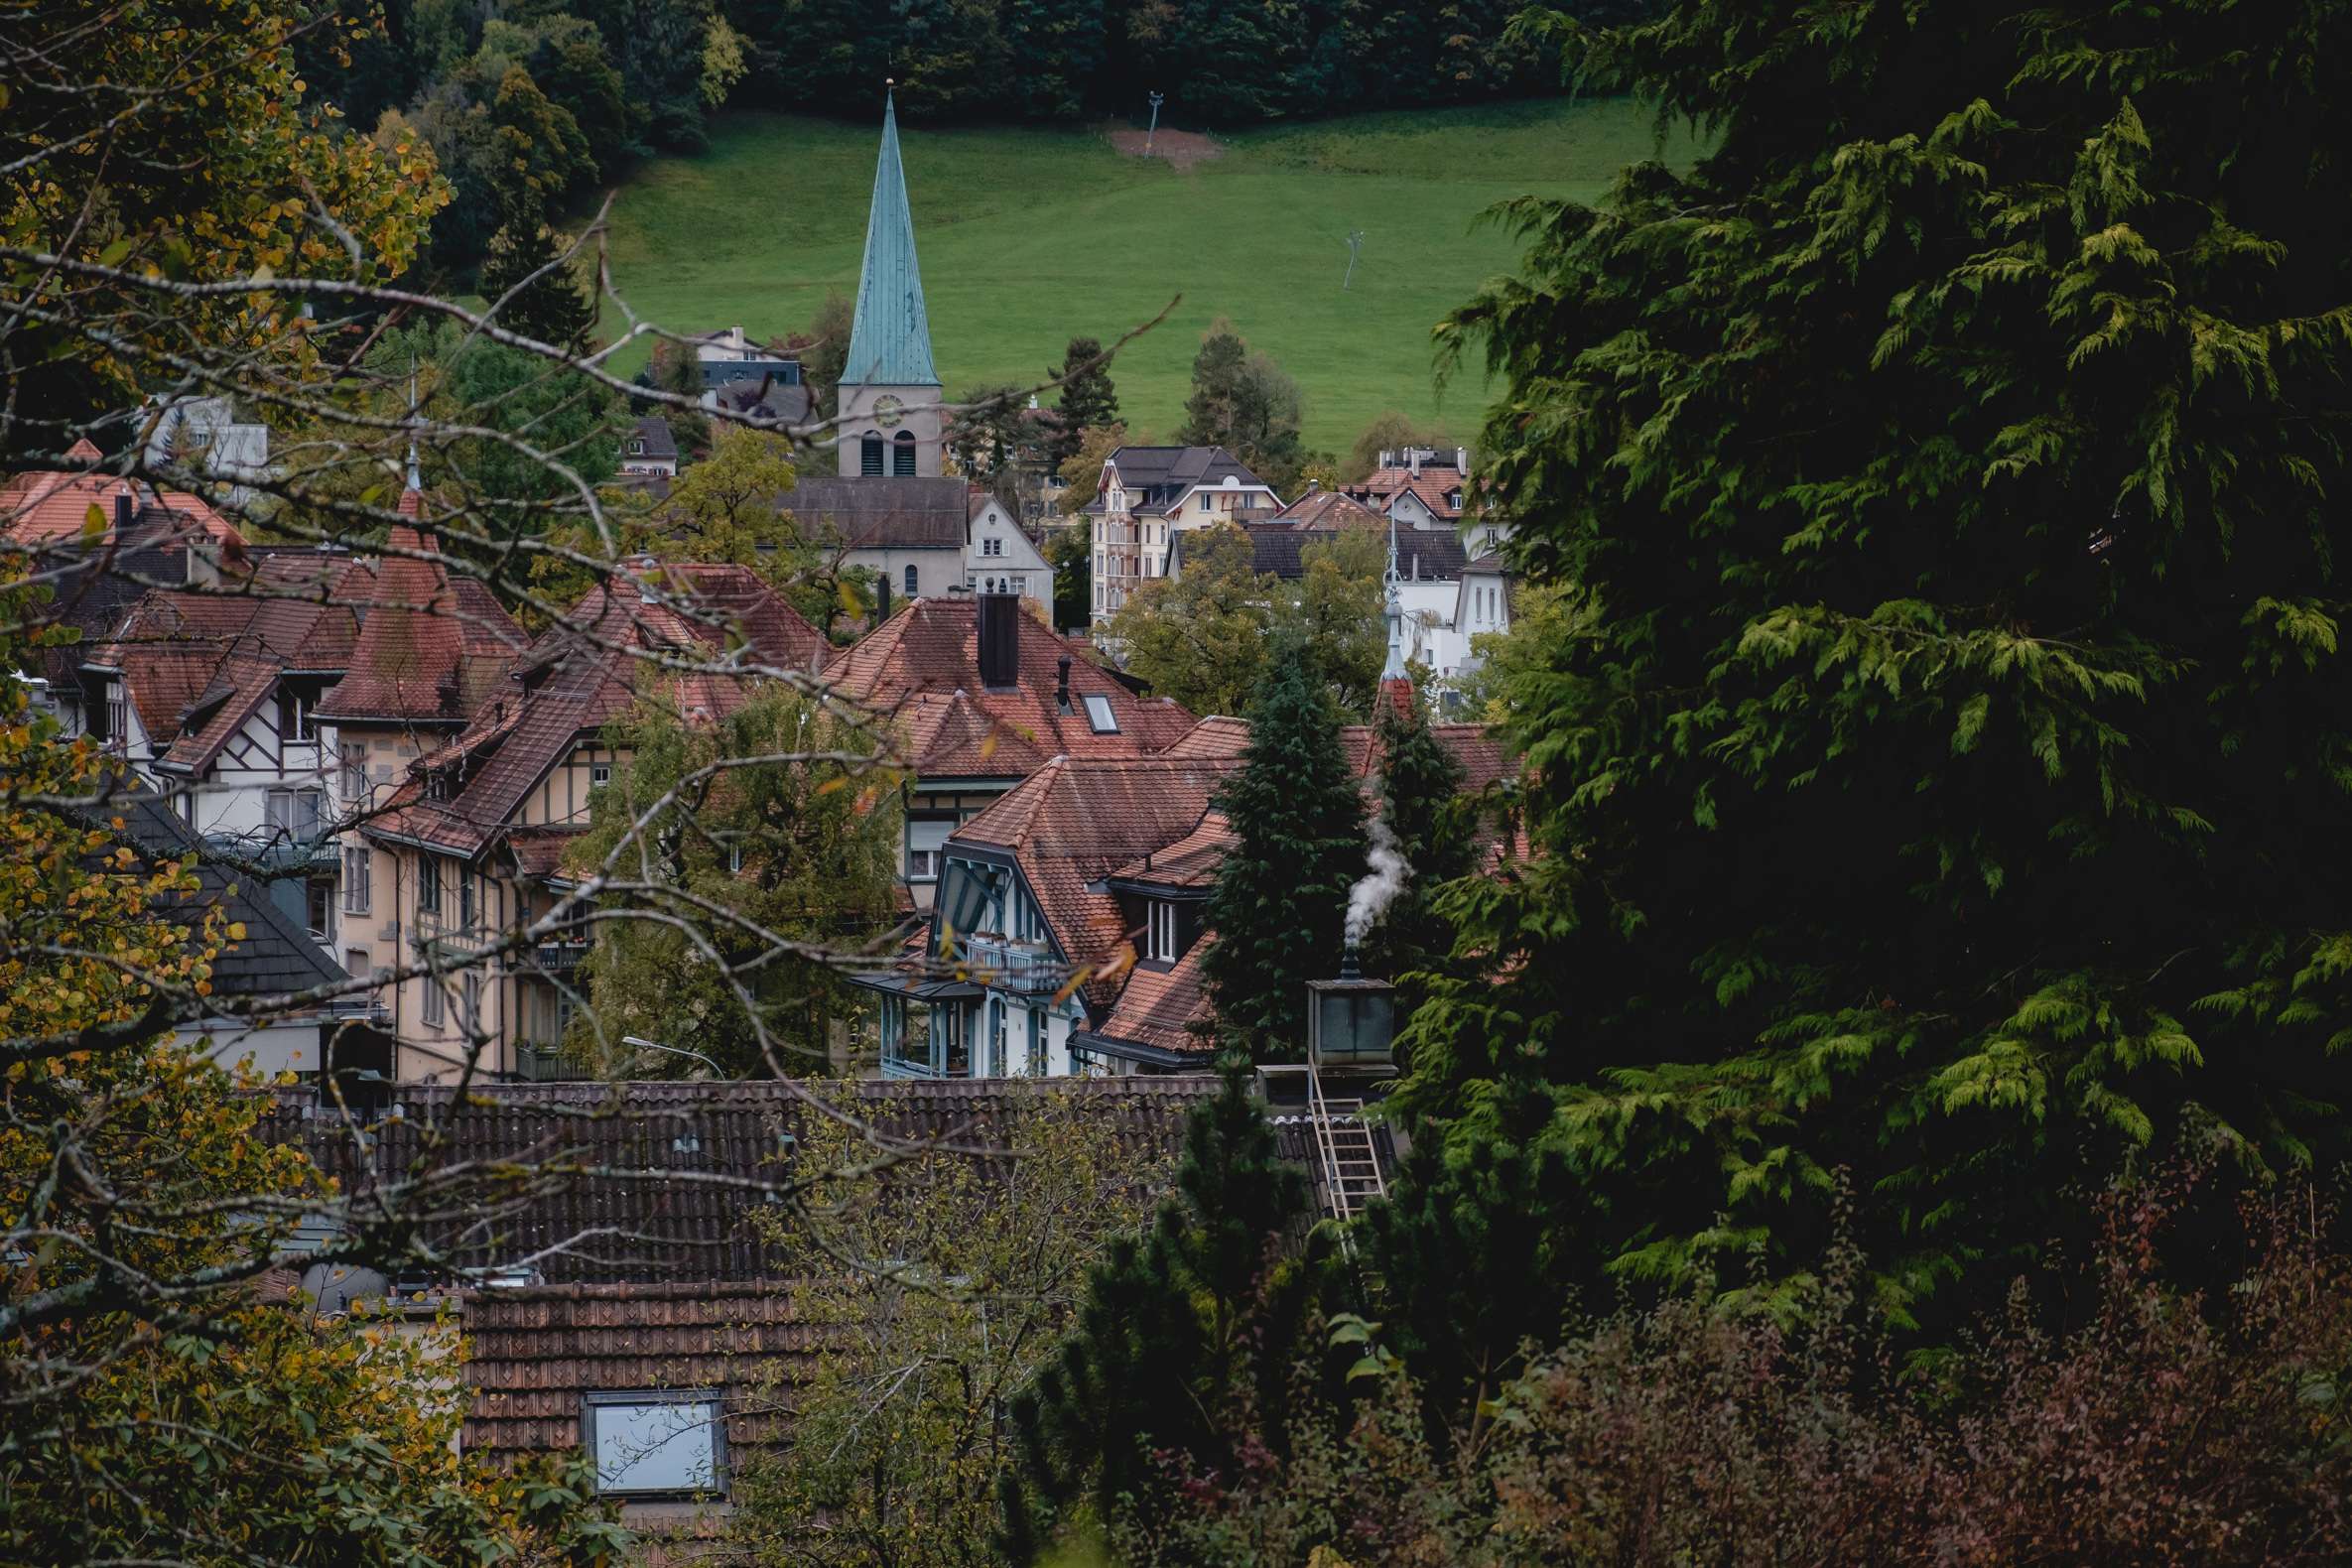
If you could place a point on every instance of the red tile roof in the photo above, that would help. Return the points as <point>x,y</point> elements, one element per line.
<point>1432,486</point>
<point>1190,863</point>
<point>1074,821</point>
<point>196,664</point>
<point>922,667</point>
<point>1166,1009</point>
<point>1329,509</point>
<point>586,670</point>
<point>429,650</point>
<point>43,505</point>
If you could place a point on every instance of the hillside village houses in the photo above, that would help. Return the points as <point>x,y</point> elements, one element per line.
<point>414,766</point>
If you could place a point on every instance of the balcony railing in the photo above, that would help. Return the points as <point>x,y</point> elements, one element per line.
<point>547,1064</point>
<point>1022,970</point>
<point>905,1067</point>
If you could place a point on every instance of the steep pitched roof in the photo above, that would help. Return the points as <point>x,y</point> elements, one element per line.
<point>275,957</point>
<point>583,672</point>
<point>1187,865</point>
<point>1329,509</point>
<point>1433,486</point>
<point>1071,824</point>
<point>43,506</point>
<point>429,649</point>
<point>196,665</point>
<point>652,433</point>
<point>1160,476</point>
<point>922,666</point>
<point>881,511</point>
<point>890,336</point>
<point>1165,1010</point>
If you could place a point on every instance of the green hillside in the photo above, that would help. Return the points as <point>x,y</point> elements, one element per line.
<point>1029,238</point>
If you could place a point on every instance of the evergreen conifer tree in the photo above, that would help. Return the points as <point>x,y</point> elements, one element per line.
<point>1279,903</point>
<point>1087,402</point>
<point>1945,780</point>
<point>1435,830</point>
<point>1174,1325</point>
<point>552,307</point>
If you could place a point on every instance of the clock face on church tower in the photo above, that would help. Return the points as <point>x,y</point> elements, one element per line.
<point>890,411</point>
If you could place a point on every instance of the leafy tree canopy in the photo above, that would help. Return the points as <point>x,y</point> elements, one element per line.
<point>1946,779</point>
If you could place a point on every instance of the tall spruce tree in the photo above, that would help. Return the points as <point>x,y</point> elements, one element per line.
<point>1279,903</point>
<point>534,288</point>
<point>1204,1309</point>
<point>1435,829</point>
<point>1948,783</point>
<point>1089,401</point>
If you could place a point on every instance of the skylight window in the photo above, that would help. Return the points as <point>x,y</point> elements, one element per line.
<point>1099,717</point>
<point>656,1442</point>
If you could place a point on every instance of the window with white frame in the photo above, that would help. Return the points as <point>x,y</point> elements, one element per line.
<point>468,899</point>
<point>993,546</point>
<point>433,1002</point>
<point>354,769</point>
<point>1160,932</point>
<point>294,812</point>
<point>319,909</point>
<point>358,863</point>
<point>428,885</point>
<point>469,995</point>
<point>357,964</point>
<point>118,732</point>
<point>600,774</point>
<point>1099,717</point>
<point>658,1442</point>
<point>925,841</point>
<point>1207,504</point>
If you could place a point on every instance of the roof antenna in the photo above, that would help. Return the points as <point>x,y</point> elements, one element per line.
<point>1393,611</point>
<point>417,475</point>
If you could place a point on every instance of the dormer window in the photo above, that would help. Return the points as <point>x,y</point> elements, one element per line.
<point>1159,932</point>
<point>636,449</point>
<point>1099,717</point>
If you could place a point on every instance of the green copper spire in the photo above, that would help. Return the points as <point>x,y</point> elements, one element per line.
<point>890,343</point>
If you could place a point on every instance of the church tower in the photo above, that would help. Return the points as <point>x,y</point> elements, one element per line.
<point>889,391</point>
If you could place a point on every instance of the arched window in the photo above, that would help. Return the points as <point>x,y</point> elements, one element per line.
<point>902,458</point>
<point>870,456</point>
<point>910,581</point>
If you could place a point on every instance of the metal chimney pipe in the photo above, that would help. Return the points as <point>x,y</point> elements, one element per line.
<point>1062,682</point>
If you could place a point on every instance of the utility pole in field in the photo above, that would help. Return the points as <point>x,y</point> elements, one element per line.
<point>1157,99</point>
<point>1355,244</point>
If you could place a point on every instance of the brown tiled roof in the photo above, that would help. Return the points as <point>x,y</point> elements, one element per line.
<point>410,664</point>
<point>46,505</point>
<point>585,1178</point>
<point>1074,821</point>
<point>1329,509</point>
<point>535,1353</point>
<point>1190,863</point>
<point>1165,1009</point>
<point>1383,486</point>
<point>539,851</point>
<point>922,666</point>
<point>583,674</point>
<point>198,663</point>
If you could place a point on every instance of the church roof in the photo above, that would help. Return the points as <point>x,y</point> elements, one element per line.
<point>890,339</point>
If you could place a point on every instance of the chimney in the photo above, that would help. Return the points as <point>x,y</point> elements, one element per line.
<point>1414,455</point>
<point>1000,637</point>
<point>1461,459</point>
<point>123,511</point>
<point>882,598</point>
<point>1062,682</point>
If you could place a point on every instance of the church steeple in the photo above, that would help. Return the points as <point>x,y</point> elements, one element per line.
<point>890,340</point>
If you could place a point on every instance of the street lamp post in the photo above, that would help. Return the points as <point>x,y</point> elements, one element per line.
<point>1157,99</point>
<point>643,1044</point>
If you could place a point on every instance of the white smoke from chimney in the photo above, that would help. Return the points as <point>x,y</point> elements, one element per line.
<point>1380,887</point>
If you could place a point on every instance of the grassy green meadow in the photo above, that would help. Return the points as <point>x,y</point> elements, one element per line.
<point>1029,238</point>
